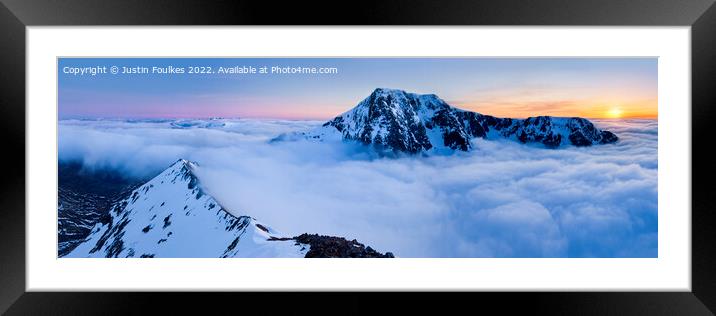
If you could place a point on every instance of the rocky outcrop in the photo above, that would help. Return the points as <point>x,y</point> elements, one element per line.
<point>335,247</point>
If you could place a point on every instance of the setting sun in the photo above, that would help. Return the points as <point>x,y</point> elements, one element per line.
<point>614,112</point>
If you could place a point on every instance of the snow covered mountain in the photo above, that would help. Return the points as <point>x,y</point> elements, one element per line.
<point>171,216</point>
<point>397,121</point>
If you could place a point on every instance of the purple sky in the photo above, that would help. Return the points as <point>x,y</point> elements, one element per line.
<point>515,87</point>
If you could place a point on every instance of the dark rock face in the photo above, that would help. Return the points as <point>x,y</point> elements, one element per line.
<point>335,247</point>
<point>84,198</point>
<point>608,138</point>
<point>388,120</point>
<point>398,121</point>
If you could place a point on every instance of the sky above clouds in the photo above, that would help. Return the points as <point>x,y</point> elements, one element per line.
<point>506,87</point>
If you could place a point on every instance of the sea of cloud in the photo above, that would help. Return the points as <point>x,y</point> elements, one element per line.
<point>503,199</point>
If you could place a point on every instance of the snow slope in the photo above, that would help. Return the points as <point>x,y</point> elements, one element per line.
<point>171,216</point>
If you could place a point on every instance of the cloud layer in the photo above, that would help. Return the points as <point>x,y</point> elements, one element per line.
<point>503,199</point>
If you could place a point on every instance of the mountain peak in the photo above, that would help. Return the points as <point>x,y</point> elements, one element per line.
<point>387,90</point>
<point>399,92</point>
<point>166,216</point>
<point>187,168</point>
<point>181,162</point>
<point>397,121</point>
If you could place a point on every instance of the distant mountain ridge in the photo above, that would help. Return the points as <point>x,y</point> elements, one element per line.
<point>398,121</point>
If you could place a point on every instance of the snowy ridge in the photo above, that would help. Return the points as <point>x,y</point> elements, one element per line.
<point>398,121</point>
<point>171,216</point>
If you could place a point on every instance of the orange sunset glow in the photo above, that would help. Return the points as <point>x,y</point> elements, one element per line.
<point>646,109</point>
<point>590,103</point>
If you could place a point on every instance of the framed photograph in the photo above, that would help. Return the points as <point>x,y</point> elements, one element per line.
<point>407,146</point>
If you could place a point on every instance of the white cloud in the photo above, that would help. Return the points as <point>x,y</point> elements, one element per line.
<point>502,199</point>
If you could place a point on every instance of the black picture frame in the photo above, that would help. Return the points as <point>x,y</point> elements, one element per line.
<point>15,15</point>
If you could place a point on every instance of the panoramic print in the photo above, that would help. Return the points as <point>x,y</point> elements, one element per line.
<point>357,157</point>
